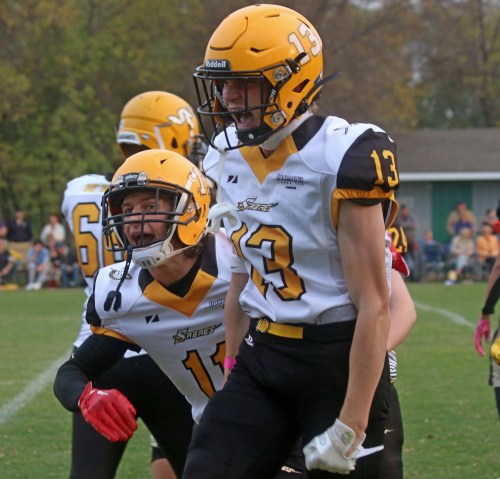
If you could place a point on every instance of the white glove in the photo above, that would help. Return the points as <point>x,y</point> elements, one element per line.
<point>219,211</point>
<point>327,450</point>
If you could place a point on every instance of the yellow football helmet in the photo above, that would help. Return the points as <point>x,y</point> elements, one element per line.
<point>270,43</point>
<point>164,173</point>
<point>157,119</point>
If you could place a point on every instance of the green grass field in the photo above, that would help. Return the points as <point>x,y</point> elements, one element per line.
<point>451,422</point>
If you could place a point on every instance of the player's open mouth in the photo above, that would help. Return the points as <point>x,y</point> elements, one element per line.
<point>244,120</point>
<point>142,239</point>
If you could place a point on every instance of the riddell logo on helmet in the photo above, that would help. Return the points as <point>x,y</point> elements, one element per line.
<point>128,137</point>
<point>217,64</point>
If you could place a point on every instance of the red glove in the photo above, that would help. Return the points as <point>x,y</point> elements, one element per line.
<point>398,262</point>
<point>109,412</point>
<point>482,331</point>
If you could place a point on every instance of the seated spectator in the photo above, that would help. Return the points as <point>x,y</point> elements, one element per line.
<point>461,255</point>
<point>461,216</point>
<point>7,264</point>
<point>64,268</point>
<point>19,234</point>
<point>56,251</point>
<point>432,256</point>
<point>490,217</point>
<point>3,229</point>
<point>487,248</point>
<point>38,260</point>
<point>71,275</point>
<point>53,229</point>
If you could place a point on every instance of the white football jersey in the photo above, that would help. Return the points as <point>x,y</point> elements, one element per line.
<point>81,208</point>
<point>286,209</point>
<point>184,335</point>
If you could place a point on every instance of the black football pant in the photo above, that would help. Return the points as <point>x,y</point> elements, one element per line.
<point>279,391</point>
<point>392,457</point>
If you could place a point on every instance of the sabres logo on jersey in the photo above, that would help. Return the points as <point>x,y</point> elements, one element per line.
<point>117,274</point>
<point>251,205</point>
<point>186,334</point>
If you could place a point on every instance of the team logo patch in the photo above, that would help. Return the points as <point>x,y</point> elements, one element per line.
<point>217,304</point>
<point>152,318</point>
<point>290,182</point>
<point>184,115</point>
<point>117,274</point>
<point>186,334</point>
<point>251,205</point>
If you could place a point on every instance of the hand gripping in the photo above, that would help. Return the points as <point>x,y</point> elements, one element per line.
<point>109,412</point>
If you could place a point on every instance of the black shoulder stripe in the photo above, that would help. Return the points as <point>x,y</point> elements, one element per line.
<point>303,134</point>
<point>369,162</point>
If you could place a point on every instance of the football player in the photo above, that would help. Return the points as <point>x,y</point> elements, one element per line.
<point>403,317</point>
<point>482,331</point>
<point>153,119</point>
<point>167,297</point>
<point>306,201</point>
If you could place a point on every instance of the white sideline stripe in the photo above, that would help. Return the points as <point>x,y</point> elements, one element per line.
<point>456,318</point>
<point>31,390</point>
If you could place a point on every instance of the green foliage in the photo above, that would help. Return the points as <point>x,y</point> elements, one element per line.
<point>68,67</point>
<point>459,64</point>
<point>73,66</point>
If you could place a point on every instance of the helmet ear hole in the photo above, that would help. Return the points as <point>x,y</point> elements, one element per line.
<point>175,145</point>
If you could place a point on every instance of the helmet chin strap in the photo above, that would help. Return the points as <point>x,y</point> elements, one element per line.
<point>115,297</point>
<point>276,138</point>
<point>154,255</point>
<point>157,254</point>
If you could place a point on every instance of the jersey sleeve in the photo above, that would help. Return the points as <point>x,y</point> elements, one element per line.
<point>369,173</point>
<point>88,362</point>
<point>369,168</point>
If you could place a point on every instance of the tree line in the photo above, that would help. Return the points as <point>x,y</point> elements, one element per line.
<point>67,67</point>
